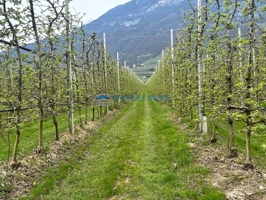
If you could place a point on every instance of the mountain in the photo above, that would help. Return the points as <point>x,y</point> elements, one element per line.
<point>140,29</point>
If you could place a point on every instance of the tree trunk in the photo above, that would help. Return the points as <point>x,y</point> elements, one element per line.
<point>101,111</point>
<point>53,71</point>
<point>248,163</point>
<point>78,95</point>
<point>0,121</point>
<point>86,112</point>
<point>41,118</point>
<point>93,113</point>
<point>55,121</point>
<point>232,152</point>
<point>39,67</point>
<point>20,86</point>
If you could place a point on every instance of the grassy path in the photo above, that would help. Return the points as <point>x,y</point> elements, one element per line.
<point>139,154</point>
<point>29,135</point>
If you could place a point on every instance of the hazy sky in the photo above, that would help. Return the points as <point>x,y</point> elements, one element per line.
<point>94,8</point>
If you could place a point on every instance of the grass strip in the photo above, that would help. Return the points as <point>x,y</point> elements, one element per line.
<point>161,165</point>
<point>75,172</point>
<point>29,135</point>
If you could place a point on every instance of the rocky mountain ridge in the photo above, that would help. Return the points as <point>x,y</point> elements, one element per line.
<point>139,29</point>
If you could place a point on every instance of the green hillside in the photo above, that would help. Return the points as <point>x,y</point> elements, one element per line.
<point>147,68</point>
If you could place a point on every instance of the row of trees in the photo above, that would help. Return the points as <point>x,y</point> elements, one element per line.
<point>36,81</point>
<point>219,68</point>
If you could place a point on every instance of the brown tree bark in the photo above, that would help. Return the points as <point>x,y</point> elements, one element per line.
<point>40,77</point>
<point>229,82</point>
<point>56,15</point>
<point>248,162</point>
<point>20,86</point>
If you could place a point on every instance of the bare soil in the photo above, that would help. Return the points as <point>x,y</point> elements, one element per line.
<point>227,174</point>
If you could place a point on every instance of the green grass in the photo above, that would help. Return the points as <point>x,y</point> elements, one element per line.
<point>148,65</point>
<point>152,62</point>
<point>258,138</point>
<point>138,154</point>
<point>102,171</point>
<point>29,135</point>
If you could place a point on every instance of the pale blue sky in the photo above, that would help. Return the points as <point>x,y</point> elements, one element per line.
<point>94,8</point>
